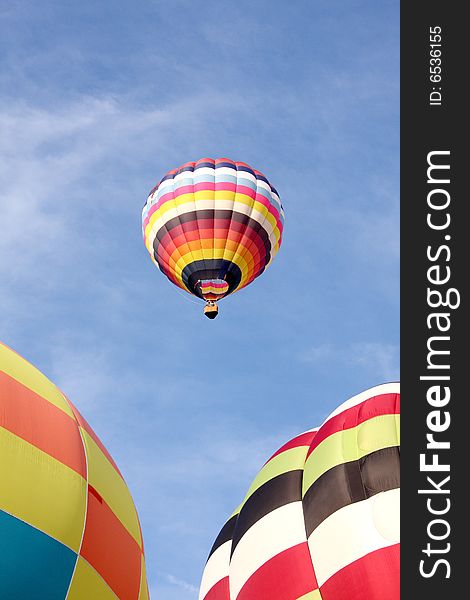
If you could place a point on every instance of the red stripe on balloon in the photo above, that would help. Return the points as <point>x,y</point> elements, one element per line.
<point>384,404</point>
<point>375,576</point>
<point>243,242</point>
<point>287,576</point>
<point>251,256</point>
<point>206,160</point>
<point>205,228</point>
<point>220,591</point>
<point>304,439</point>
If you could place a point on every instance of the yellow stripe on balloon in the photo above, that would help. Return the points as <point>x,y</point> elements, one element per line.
<point>224,201</point>
<point>88,584</point>
<point>242,257</point>
<point>313,595</point>
<point>143,593</point>
<point>186,203</point>
<point>18,368</point>
<point>274,238</point>
<point>210,244</point>
<point>187,253</point>
<point>230,255</point>
<point>110,485</point>
<point>41,491</point>
<point>289,460</point>
<point>347,445</point>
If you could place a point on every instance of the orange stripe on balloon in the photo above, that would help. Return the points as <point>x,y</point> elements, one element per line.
<point>40,423</point>
<point>110,549</point>
<point>84,423</point>
<point>255,264</point>
<point>252,251</point>
<point>194,247</point>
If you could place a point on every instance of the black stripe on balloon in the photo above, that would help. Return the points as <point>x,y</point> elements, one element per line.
<point>211,268</point>
<point>246,169</point>
<point>183,170</point>
<point>166,177</point>
<point>212,214</point>
<point>230,269</point>
<point>274,191</point>
<point>351,482</point>
<point>205,269</point>
<point>278,491</point>
<point>203,165</point>
<point>263,178</point>
<point>225,535</point>
<point>211,165</point>
<point>232,165</point>
<point>150,193</point>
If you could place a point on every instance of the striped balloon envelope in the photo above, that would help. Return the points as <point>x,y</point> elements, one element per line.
<point>213,226</point>
<point>321,519</point>
<point>68,525</point>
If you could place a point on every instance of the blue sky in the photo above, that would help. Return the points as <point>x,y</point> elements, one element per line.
<point>98,100</point>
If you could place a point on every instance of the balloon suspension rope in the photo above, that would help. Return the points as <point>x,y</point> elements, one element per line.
<point>187,297</point>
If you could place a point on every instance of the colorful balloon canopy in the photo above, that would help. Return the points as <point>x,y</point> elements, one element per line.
<point>68,525</point>
<point>321,519</point>
<point>213,226</point>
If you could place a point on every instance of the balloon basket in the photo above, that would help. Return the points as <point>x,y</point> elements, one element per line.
<point>211,310</point>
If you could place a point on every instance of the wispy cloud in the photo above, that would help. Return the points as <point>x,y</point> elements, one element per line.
<point>63,191</point>
<point>184,585</point>
<point>377,358</point>
<point>95,106</point>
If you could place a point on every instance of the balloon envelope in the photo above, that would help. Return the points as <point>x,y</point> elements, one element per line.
<point>321,519</point>
<point>68,525</point>
<point>213,226</point>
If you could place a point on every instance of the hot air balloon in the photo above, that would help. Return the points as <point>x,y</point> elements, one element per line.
<point>321,519</point>
<point>68,525</point>
<point>212,227</point>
